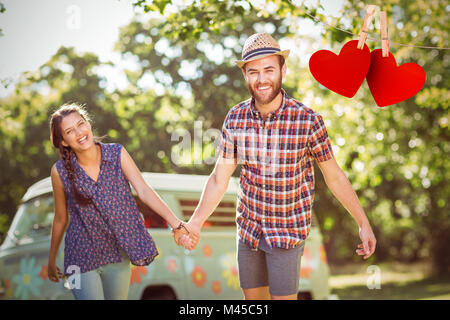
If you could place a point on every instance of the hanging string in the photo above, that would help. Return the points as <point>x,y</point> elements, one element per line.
<point>373,39</point>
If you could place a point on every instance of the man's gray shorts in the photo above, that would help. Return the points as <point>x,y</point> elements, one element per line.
<point>277,268</point>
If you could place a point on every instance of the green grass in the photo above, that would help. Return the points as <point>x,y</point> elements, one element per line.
<point>398,282</point>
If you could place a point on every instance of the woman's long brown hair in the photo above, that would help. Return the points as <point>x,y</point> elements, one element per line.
<point>67,152</point>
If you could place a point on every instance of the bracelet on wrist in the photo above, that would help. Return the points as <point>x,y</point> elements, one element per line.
<point>181,225</point>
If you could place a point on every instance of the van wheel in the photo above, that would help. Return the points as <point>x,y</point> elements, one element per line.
<point>159,293</point>
<point>304,296</point>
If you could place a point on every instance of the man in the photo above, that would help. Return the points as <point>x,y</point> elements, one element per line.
<point>276,139</point>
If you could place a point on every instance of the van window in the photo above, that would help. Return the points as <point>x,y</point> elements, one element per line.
<point>223,216</point>
<point>151,218</point>
<point>34,218</point>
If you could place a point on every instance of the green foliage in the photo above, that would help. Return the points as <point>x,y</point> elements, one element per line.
<point>2,10</point>
<point>397,156</point>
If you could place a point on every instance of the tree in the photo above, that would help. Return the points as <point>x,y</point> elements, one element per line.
<point>406,181</point>
<point>25,144</point>
<point>199,79</point>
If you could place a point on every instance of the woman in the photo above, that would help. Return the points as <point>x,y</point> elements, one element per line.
<point>106,230</point>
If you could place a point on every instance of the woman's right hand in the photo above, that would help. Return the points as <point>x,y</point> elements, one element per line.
<point>54,274</point>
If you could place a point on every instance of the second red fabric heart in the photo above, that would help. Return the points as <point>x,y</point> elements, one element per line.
<point>343,73</point>
<point>390,84</point>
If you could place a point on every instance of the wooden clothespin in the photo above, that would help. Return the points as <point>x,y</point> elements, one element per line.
<point>384,34</point>
<point>365,29</point>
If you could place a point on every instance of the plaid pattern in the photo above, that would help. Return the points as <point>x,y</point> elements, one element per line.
<point>277,173</point>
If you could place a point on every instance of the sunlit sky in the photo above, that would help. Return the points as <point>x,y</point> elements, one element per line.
<point>33,30</point>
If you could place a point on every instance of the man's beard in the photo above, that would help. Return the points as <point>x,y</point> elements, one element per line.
<point>262,99</point>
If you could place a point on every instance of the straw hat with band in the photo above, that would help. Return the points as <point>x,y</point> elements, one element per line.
<point>260,45</point>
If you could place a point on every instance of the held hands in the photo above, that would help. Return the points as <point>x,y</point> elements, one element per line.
<point>367,247</point>
<point>186,236</point>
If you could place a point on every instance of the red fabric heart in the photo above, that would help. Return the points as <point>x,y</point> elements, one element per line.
<point>343,73</point>
<point>389,83</point>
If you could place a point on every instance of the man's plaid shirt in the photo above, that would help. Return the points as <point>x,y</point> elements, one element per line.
<point>277,173</point>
